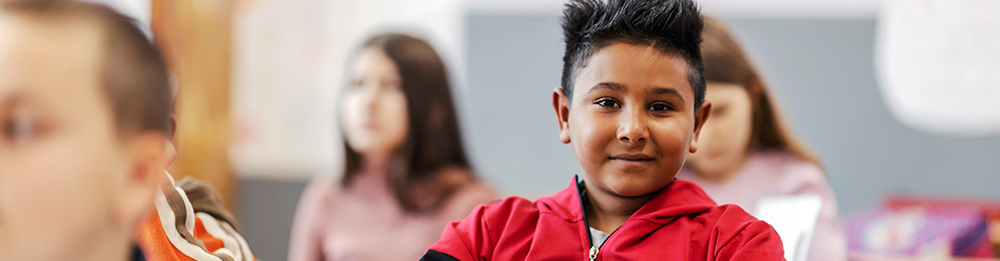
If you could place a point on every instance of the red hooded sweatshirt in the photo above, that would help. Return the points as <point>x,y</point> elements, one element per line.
<point>680,223</point>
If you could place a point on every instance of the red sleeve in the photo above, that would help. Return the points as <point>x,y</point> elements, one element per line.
<point>476,237</point>
<point>756,240</point>
<point>468,239</point>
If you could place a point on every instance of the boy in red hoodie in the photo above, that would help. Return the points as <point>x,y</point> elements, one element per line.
<point>631,104</point>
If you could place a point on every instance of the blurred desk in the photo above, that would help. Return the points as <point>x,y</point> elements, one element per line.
<point>865,257</point>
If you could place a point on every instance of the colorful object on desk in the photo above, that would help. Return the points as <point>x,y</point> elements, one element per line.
<point>994,230</point>
<point>922,227</point>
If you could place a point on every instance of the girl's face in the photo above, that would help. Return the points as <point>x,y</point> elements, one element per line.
<point>632,121</point>
<point>724,138</point>
<point>374,108</point>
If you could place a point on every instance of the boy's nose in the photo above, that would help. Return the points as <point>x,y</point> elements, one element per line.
<point>632,128</point>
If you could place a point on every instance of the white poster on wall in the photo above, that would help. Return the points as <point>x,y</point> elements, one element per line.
<point>938,64</point>
<point>288,62</point>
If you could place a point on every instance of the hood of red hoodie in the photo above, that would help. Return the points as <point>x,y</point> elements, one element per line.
<point>678,198</point>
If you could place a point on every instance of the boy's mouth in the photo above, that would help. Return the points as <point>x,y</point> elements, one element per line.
<point>632,162</point>
<point>632,157</point>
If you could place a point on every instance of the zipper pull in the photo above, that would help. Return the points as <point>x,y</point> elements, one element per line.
<point>593,253</point>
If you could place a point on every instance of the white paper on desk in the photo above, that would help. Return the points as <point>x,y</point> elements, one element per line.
<point>794,218</point>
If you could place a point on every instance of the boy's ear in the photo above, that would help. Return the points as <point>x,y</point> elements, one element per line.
<point>699,120</point>
<point>561,104</point>
<point>170,155</point>
<point>171,152</point>
<point>146,170</point>
<point>172,127</point>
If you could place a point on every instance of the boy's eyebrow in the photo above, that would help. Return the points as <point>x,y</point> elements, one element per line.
<point>613,86</point>
<point>669,91</point>
<point>12,95</point>
<point>12,98</point>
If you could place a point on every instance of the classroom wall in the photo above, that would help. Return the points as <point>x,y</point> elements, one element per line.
<point>820,71</point>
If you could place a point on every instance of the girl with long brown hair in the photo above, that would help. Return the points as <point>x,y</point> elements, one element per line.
<point>406,173</point>
<point>746,152</point>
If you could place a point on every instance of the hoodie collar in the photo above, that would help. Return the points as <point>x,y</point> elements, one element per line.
<point>678,198</point>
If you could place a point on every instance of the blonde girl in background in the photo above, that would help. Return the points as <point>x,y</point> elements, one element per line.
<point>746,151</point>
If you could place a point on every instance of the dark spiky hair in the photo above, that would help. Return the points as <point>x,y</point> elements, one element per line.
<point>671,26</point>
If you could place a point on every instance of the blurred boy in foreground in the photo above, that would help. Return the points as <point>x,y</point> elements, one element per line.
<point>85,107</point>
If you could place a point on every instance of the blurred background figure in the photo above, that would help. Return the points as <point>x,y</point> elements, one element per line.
<point>406,173</point>
<point>746,151</point>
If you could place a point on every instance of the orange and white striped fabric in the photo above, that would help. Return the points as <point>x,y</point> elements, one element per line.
<point>190,223</point>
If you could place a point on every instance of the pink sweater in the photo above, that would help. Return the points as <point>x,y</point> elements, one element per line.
<point>776,174</point>
<point>364,221</point>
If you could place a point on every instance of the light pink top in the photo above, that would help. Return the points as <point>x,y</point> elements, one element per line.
<point>776,174</point>
<point>364,221</point>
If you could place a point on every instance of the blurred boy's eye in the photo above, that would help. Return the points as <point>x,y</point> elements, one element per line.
<point>607,103</point>
<point>660,107</point>
<point>19,127</point>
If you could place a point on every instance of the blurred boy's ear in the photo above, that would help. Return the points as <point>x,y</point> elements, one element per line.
<point>699,121</point>
<point>146,167</point>
<point>171,150</point>
<point>170,155</point>
<point>172,127</point>
<point>561,104</point>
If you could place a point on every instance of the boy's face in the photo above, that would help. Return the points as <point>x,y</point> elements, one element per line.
<point>632,121</point>
<point>66,179</point>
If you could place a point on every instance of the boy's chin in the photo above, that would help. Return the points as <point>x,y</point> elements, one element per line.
<point>634,186</point>
<point>634,191</point>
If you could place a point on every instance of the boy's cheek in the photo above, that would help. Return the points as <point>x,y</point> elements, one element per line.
<point>675,144</point>
<point>52,196</point>
<point>591,137</point>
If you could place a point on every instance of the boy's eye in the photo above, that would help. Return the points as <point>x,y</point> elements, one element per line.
<point>660,107</point>
<point>19,128</point>
<point>608,103</point>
